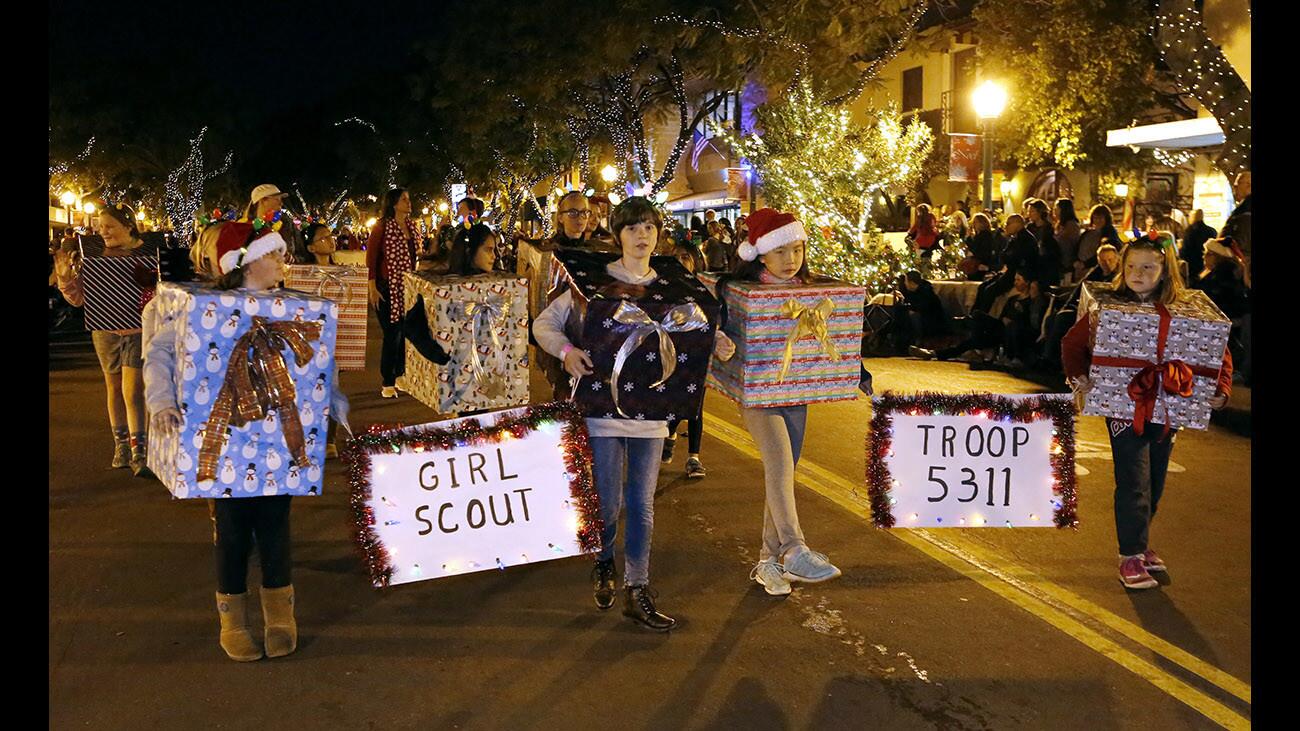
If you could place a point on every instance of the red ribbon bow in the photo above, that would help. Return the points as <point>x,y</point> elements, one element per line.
<point>1174,376</point>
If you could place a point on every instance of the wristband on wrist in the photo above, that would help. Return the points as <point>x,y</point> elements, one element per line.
<point>564,352</point>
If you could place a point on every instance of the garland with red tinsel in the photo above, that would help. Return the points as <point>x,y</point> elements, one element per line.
<point>394,438</point>
<point>1061,412</point>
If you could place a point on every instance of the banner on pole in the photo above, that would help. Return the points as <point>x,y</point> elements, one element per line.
<point>482,492</point>
<point>964,160</point>
<point>972,461</point>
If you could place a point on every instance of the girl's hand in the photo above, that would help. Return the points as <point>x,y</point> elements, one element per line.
<point>64,264</point>
<point>723,347</point>
<point>168,419</point>
<point>1218,400</point>
<point>577,363</point>
<point>375,296</point>
<point>1081,384</point>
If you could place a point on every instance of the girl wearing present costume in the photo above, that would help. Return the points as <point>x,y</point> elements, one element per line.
<point>774,254</point>
<point>625,452</point>
<point>256,264</point>
<point>1148,272</point>
<point>118,350</point>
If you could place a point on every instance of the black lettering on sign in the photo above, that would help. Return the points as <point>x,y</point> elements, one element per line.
<point>501,467</point>
<point>1019,438</point>
<point>974,451</point>
<point>424,520</point>
<point>492,505</point>
<point>523,499</point>
<point>443,526</point>
<point>451,467</point>
<point>476,468</point>
<point>949,435</point>
<point>925,438</point>
<point>423,482</point>
<point>469,513</point>
<point>1001,438</point>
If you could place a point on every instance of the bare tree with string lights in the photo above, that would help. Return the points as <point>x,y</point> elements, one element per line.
<point>183,194</point>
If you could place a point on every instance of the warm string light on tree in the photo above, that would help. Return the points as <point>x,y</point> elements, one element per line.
<point>820,164</point>
<point>183,193</point>
<point>1173,158</point>
<point>873,68</point>
<point>754,34</point>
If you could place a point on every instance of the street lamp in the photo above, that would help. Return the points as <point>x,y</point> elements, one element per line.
<point>443,207</point>
<point>67,199</point>
<point>1121,190</point>
<point>609,173</point>
<point>1007,188</point>
<point>989,99</point>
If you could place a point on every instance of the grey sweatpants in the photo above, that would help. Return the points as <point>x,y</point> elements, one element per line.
<point>778,432</point>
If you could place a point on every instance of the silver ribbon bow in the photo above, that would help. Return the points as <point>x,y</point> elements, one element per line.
<point>682,318</point>
<point>487,314</point>
<point>331,275</point>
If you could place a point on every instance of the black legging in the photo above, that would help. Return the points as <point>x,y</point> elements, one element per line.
<point>992,288</point>
<point>694,432</point>
<point>392,354</point>
<point>240,521</point>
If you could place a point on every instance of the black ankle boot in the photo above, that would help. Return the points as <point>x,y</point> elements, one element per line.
<point>603,576</point>
<point>640,607</point>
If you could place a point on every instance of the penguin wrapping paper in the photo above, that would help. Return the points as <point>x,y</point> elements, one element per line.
<point>1135,344</point>
<point>649,344</point>
<point>346,286</point>
<point>795,344</point>
<point>282,452</point>
<point>482,323</point>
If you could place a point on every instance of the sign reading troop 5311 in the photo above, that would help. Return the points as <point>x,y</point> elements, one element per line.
<point>971,460</point>
<point>482,492</point>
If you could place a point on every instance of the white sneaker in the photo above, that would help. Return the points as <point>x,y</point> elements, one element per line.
<point>771,576</point>
<point>809,566</point>
<point>388,392</point>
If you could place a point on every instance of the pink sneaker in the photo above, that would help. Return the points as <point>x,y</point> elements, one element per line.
<point>1133,575</point>
<point>1152,562</point>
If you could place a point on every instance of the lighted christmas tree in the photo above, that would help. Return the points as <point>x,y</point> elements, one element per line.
<point>829,169</point>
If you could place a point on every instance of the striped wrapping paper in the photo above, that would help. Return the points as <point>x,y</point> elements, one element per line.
<point>350,351</point>
<point>758,326</point>
<point>114,295</point>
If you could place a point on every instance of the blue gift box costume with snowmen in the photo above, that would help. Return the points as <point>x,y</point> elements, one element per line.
<point>255,459</point>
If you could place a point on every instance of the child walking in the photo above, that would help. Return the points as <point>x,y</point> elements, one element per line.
<point>252,263</point>
<point>1149,272</point>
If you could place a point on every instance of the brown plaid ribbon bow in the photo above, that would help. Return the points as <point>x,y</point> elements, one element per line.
<point>257,379</point>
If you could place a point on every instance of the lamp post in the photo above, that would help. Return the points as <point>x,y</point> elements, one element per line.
<point>989,99</point>
<point>67,199</point>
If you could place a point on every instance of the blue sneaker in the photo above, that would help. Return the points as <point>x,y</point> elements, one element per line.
<point>809,566</point>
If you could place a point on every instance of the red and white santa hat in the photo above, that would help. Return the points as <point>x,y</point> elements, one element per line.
<point>770,229</point>
<point>234,250</point>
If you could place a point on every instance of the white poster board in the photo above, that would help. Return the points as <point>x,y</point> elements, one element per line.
<point>974,461</point>
<point>491,501</point>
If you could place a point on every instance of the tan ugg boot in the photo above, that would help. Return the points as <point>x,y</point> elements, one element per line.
<point>277,613</point>
<point>235,637</point>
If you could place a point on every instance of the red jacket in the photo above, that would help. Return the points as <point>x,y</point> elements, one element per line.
<point>1076,355</point>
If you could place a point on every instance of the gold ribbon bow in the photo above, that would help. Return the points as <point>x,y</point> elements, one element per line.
<point>682,318</point>
<point>329,275</point>
<point>257,379</point>
<point>808,321</point>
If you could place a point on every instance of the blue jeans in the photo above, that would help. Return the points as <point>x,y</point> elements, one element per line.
<point>626,470</point>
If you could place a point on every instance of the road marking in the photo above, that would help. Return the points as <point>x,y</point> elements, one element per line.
<point>1084,449</point>
<point>1030,592</point>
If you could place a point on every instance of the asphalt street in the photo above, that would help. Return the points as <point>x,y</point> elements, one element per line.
<point>987,628</point>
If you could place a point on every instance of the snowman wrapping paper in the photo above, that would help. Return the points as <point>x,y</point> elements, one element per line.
<point>256,458</point>
<point>482,323</point>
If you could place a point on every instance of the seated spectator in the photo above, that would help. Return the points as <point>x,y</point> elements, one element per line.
<point>1022,320</point>
<point>1019,254</point>
<point>924,233</point>
<point>1001,326</point>
<point>1192,250</point>
<point>1221,281</point>
<point>918,313</point>
<point>982,245</point>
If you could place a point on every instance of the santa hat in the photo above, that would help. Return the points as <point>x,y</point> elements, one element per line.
<point>770,229</point>
<point>234,250</point>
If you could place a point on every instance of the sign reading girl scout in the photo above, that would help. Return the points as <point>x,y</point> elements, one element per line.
<point>471,494</point>
<point>972,461</point>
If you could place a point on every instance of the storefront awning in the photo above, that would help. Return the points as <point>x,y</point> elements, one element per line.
<point>701,201</point>
<point>1183,134</point>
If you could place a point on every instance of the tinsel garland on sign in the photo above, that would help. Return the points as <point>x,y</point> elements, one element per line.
<point>394,439</point>
<point>884,406</point>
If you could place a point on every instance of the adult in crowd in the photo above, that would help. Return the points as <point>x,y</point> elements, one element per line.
<point>728,233</point>
<point>918,313</point>
<point>1039,223</point>
<point>1192,250</point>
<point>265,201</point>
<point>1022,320</point>
<point>1236,236</point>
<point>741,232</point>
<point>1001,326</point>
<point>1221,280</point>
<point>390,254</point>
<point>1061,316</point>
<point>346,240</point>
<point>982,246</point>
<point>1019,255</point>
<point>718,256</point>
<point>697,232</point>
<point>1068,232</point>
<point>924,233</point>
<point>1101,230</point>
